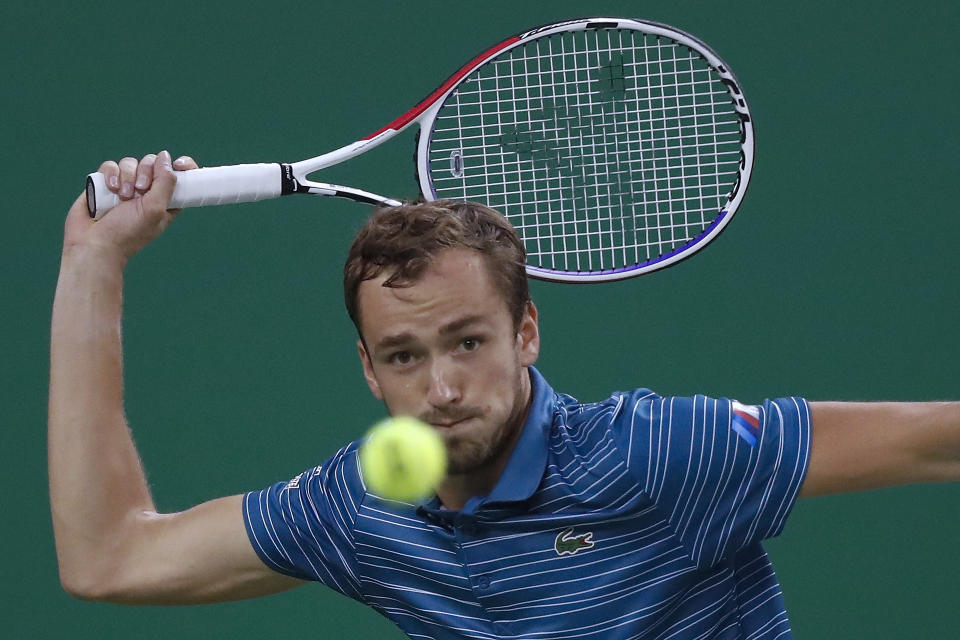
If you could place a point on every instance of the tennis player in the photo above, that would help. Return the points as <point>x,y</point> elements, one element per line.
<point>639,515</point>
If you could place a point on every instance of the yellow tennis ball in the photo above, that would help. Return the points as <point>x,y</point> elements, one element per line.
<point>403,459</point>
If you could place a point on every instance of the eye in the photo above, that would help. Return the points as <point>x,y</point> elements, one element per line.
<point>400,358</point>
<point>469,344</point>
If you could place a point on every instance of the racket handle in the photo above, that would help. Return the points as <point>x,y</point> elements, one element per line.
<point>200,187</point>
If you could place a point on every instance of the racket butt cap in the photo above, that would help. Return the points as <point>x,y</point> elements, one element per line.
<point>91,197</point>
<point>99,198</point>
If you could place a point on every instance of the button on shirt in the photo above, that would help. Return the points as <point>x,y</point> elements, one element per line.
<point>637,516</point>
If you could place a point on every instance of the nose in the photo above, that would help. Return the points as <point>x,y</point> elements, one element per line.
<point>443,386</point>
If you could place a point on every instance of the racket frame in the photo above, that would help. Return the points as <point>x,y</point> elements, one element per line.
<point>654,28</point>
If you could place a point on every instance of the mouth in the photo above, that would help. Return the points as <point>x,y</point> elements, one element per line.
<point>449,425</point>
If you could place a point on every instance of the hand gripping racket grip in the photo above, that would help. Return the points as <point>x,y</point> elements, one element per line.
<point>201,187</point>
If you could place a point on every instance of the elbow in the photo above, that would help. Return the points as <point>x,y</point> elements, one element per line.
<point>80,589</point>
<point>87,585</point>
<point>101,569</point>
<point>110,586</point>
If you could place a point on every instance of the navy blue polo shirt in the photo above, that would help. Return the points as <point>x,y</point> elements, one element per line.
<point>637,516</point>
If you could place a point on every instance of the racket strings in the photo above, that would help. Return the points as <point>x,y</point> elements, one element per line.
<point>605,148</point>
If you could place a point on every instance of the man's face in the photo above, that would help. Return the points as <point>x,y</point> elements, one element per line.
<point>445,350</point>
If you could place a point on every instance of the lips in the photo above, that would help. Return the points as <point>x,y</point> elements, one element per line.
<point>447,423</point>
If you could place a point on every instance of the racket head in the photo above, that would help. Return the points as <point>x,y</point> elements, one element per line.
<point>616,147</point>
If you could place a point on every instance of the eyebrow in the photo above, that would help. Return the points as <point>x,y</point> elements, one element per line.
<point>407,337</point>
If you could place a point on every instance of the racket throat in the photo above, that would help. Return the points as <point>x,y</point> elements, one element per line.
<point>289,183</point>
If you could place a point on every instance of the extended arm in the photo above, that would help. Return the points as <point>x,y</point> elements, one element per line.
<point>111,543</point>
<point>860,446</point>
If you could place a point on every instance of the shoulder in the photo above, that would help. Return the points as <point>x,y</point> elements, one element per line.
<point>584,426</point>
<point>335,483</point>
<point>632,422</point>
<point>619,408</point>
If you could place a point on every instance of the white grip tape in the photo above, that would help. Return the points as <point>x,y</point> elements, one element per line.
<point>202,187</point>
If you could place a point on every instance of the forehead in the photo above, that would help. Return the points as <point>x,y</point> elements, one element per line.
<point>456,283</point>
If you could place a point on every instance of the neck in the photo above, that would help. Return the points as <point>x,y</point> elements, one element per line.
<point>458,488</point>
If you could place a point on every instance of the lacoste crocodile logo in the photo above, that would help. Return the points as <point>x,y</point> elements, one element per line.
<point>567,543</point>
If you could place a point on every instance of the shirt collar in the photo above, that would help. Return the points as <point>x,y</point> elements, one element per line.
<point>524,470</point>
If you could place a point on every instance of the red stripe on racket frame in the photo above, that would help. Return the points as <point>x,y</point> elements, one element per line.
<point>403,120</point>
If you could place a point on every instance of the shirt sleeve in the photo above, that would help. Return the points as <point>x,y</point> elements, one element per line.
<point>725,475</point>
<point>304,528</point>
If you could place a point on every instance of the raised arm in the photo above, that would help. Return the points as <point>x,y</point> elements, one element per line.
<point>111,543</point>
<point>859,446</point>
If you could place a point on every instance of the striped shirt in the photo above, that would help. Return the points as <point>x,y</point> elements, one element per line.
<point>636,517</point>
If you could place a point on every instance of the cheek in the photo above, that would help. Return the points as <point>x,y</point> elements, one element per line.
<point>501,396</point>
<point>393,395</point>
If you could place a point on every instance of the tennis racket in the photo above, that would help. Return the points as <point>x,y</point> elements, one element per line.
<point>615,147</point>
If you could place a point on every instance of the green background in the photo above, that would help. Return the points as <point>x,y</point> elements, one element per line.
<point>835,281</point>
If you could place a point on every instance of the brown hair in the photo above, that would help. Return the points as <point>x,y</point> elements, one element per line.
<point>407,237</point>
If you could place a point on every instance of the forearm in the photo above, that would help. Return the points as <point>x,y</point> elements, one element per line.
<point>97,484</point>
<point>859,446</point>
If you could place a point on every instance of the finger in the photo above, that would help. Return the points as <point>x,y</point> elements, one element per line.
<point>164,180</point>
<point>184,163</point>
<point>128,173</point>
<point>145,173</point>
<point>111,172</point>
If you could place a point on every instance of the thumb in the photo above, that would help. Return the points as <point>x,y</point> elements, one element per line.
<point>78,218</point>
<point>78,212</point>
<point>164,180</point>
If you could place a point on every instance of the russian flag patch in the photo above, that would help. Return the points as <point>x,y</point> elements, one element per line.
<point>745,421</point>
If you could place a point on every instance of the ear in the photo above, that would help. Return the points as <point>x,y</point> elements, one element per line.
<point>368,373</point>
<point>528,336</point>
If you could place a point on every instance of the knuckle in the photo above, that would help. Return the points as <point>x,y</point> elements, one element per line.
<point>128,165</point>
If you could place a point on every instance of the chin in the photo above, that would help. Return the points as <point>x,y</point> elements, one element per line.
<point>465,457</point>
<point>467,454</point>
